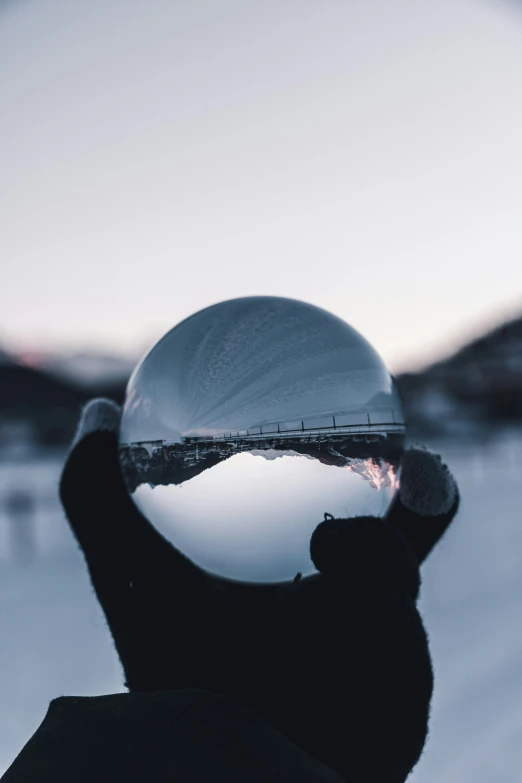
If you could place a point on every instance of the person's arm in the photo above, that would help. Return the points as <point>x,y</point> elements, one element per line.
<point>338,662</point>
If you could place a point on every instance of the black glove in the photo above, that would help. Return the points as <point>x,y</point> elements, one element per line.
<point>338,661</point>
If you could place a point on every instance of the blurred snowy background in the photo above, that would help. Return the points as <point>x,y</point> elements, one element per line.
<point>362,156</point>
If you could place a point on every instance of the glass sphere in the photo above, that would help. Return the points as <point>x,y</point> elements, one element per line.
<point>249,421</point>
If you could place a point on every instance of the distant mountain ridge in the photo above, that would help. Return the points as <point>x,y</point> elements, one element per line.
<point>41,407</point>
<point>476,389</point>
<point>84,368</point>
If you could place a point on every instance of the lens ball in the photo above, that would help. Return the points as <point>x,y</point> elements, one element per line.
<point>247,423</point>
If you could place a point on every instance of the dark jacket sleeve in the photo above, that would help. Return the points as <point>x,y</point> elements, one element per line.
<point>161,737</point>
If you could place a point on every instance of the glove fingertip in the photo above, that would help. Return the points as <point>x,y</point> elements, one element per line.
<point>427,487</point>
<point>99,415</point>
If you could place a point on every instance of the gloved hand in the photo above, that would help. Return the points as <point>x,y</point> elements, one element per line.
<point>338,661</point>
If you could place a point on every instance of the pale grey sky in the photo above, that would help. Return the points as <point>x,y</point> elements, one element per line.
<point>362,155</point>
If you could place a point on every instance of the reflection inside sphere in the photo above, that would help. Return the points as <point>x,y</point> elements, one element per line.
<point>247,423</point>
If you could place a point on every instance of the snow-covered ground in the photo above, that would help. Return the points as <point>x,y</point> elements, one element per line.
<point>471,602</point>
<point>54,639</point>
<point>53,636</point>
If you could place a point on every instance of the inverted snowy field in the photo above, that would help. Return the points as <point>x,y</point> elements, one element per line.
<point>54,640</point>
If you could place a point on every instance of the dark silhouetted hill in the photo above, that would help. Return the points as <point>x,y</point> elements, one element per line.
<point>41,407</point>
<point>475,389</point>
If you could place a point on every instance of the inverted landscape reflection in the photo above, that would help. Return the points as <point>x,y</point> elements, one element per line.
<point>247,423</point>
